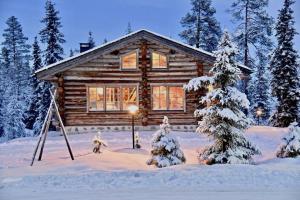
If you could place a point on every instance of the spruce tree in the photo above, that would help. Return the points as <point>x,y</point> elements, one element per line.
<point>223,119</point>
<point>91,40</point>
<point>34,111</point>
<point>53,38</point>
<point>16,95</point>
<point>201,27</point>
<point>128,29</point>
<point>284,68</point>
<point>291,142</point>
<point>165,148</point>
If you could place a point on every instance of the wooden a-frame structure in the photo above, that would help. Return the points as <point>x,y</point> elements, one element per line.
<point>53,108</point>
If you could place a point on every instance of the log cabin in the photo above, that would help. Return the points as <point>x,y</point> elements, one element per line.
<point>143,68</point>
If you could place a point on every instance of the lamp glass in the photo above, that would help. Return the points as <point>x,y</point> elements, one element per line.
<point>132,109</point>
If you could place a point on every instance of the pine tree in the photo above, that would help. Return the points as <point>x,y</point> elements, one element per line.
<point>51,35</point>
<point>16,95</point>
<point>201,27</point>
<point>53,38</point>
<point>91,40</point>
<point>105,41</point>
<point>128,29</point>
<point>34,111</point>
<point>260,95</point>
<point>291,143</point>
<point>223,119</point>
<point>166,149</point>
<point>284,68</point>
<point>4,66</point>
<point>71,53</point>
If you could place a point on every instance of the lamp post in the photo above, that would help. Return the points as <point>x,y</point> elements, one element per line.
<point>259,113</point>
<point>132,110</point>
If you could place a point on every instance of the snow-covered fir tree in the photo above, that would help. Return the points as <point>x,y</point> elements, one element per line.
<point>105,41</point>
<point>223,119</point>
<point>128,29</point>
<point>291,143</point>
<point>17,91</point>
<point>71,53</point>
<point>252,35</point>
<point>4,66</point>
<point>284,68</point>
<point>201,29</point>
<point>91,40</point>
<point>165,148</point>
<point>260,94</point>
<point>34,111</point>
<point>52,38</point>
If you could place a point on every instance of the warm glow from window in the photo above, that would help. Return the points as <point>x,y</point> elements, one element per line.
<point>112,98</point>
<point>158,60</point>
<point>176,98</point>
<point>159,98</point>
<point>129,61</point>
<point>167,98</point>
<point>129,97</point>
<point>96,99</point>
<point>210,88</point>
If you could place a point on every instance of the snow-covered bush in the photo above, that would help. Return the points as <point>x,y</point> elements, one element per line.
<point>166,149</point>
<point>291,142</point>
<point>98,142</point>
<point>223,119</point>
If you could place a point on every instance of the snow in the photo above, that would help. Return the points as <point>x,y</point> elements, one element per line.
<point>122,173</point>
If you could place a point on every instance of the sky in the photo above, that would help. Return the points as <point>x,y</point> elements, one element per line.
<point>109,19</point>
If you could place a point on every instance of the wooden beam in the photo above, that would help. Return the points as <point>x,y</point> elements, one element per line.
<point>144,96</point>
<point>61,97</point>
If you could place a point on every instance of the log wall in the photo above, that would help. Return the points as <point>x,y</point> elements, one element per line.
<point>106,69</point>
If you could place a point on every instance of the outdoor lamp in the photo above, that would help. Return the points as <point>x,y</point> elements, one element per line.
<point>259,113</point>
<point>133,110</point>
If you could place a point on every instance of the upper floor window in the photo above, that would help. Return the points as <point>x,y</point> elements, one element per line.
<point>159,60</point>
<point>129,61</point>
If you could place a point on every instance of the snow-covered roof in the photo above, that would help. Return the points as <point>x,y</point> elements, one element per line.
<point>70,61</point>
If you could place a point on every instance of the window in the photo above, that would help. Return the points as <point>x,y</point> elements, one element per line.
<point>112,98</point>
<point>159,98</point>
<point>96,98</point>
<point>176,96</point>
<point>129,61</point>
<point>167,98</point>
<point>159,60</point>
<point>129,96</point>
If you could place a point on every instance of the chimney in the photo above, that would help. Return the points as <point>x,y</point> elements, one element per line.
<point>84,47</point>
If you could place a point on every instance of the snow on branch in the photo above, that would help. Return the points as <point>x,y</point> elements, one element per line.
<point>198,83</point>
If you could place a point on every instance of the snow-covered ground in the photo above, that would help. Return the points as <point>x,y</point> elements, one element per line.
<point>121,173</point>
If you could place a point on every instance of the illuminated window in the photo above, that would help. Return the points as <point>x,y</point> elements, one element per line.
<point>96,98</point>
<point>167,98</point>
<point>112,98</point>
<point>159,98</point>
<point>176,98</point>
<point>210,88</point>
<point>108,98</point>
<point>129,97</point>
<point>159,60</point>
<point>129,61</point>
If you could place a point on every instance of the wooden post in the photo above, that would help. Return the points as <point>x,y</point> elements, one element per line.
<point>62,127</point>
<point>42,130</point>
<point>144,104</point>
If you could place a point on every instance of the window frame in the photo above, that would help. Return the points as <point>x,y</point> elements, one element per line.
<point>168,96</point>
<point>104,86</point>
<point>128,53</point>
<point>159,67</point>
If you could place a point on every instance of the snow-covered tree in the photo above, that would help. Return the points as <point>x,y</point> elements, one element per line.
<point>165,148</point>
<point>128,29</point>
<point>17,69</point>
<point>223,119</point>
<point>291,143</point>
<point>260,95</point>
<point>33,112</point>
<point>201,27</point>
<point>105,41</point>
<point>53,38</point>
<point>91,40</point>
<point>71,53</point>
<point>284,68</point>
